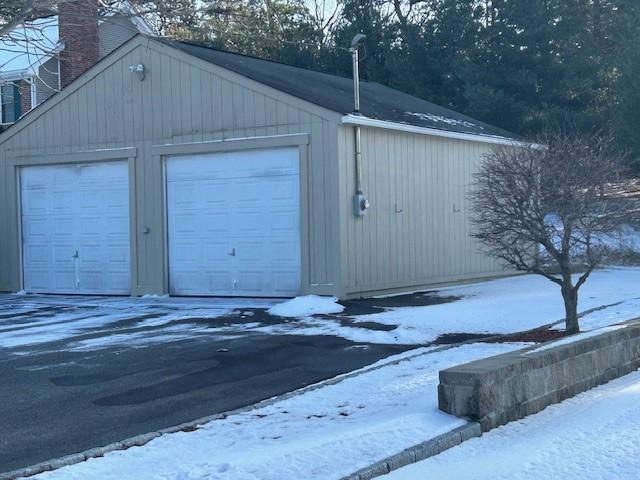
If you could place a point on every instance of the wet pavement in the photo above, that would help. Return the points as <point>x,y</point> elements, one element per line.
<point>77,373</point>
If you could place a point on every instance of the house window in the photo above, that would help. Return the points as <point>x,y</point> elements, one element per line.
<point>10,102</point>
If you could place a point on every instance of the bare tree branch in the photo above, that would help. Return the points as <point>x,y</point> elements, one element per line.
<point>544,210</point>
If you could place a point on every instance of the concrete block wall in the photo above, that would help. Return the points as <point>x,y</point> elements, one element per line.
<point>497,390</point>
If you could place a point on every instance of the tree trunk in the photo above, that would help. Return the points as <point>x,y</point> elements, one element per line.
<point>570,296</point>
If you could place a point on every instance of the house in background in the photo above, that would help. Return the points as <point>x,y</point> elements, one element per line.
<point>40,57</point>
<point>174,168</point>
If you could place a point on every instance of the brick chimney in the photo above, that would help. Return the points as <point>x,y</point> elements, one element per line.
<point>78,27</point>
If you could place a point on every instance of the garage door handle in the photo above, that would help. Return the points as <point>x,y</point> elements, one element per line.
<point>232,252</point>
<point>76,254</point>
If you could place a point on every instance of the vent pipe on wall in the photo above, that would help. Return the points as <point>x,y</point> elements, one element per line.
<point>355,54</point>
<point>360,201</point>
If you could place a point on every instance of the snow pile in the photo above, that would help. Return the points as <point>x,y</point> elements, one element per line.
<point>591,436</point>
<point>326,433</point>
<point>306,306</point>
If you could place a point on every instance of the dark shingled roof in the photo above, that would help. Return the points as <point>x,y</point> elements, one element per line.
<point>336,93</point>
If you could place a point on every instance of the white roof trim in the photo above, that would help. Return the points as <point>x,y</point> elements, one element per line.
<point>15,75</point>
<point>352,119</point>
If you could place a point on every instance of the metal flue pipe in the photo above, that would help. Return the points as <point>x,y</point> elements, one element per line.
<point>355,55</point>
<point>361,203</point>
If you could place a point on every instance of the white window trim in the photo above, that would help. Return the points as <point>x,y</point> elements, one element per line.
<point>34,94</point>
<point>1,115</point>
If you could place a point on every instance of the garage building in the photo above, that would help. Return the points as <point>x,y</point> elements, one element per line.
<point>173,168</point>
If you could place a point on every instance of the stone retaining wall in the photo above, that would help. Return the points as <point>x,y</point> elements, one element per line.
<point>497,390</point>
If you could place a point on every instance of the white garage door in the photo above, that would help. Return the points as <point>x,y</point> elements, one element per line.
<point>75,228</point>
<point>234,223</point>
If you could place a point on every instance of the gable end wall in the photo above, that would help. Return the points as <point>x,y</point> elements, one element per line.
<point>181,100</point>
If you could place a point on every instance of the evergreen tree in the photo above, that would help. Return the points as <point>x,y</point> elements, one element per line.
<point>626,110</point>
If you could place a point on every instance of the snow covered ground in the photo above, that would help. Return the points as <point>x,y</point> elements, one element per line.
<point>325,433</point>
<point>500,306</point>
<point>110,321</point>
<point>595,435</point>
<point>335,430</point>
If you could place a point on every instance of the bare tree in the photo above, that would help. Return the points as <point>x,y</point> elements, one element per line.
<point>16,12</point>
<point>325,15</point>
<point>544,210</point>
<point>29,35</point>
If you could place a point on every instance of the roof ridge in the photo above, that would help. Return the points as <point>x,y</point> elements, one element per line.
<point>194,43</point>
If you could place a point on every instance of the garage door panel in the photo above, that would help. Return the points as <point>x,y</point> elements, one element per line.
<point>63,252</point>
<point>119,229</point>
<point>282,253</point>
<point>187,251</point>
<point>119,257</point>
<point>93,280</point>
<point>239,204</point>
<point>40,278</point>
<point>284,280</point>
<point>90,225</point>
<point>218,281</point>
<point>77,216</point>
<point>252,252</point>
<point>36,203</point>
<point>283,221</point>
<point>247,164</point>
<point>92,255</point>
<point>193,282</point>
<point>251,281</point>
<point>216,254</point>
<point>184,223</point>
<point>63,281</point>
<point>217,232</point>
<point>38,254</point>
<point>253,225</point>
<point>37,226</point>
<point>63,201</point>
<point>63,226</point>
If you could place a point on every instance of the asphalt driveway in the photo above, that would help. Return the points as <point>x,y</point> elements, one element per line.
<point>77,373</point>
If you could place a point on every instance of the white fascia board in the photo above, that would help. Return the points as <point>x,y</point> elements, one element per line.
<point>363,121</point>
<point>15,75</point>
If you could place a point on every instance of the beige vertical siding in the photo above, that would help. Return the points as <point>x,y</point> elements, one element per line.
<point>417,231</point>
<point>7,228</point>
<point>181,100</point>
